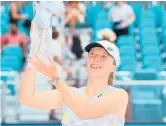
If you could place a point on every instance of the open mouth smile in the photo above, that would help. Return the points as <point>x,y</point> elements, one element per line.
<point>94,66</point>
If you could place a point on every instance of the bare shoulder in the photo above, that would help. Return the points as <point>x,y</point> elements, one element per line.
<point>119,93</point>
<point>121,100</point>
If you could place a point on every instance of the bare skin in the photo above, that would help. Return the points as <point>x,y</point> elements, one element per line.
<point>14,12</point>
<point>99,66</point>
<point>14,31</point>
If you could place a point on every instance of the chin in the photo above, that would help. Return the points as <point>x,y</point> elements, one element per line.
<point>95,73</point>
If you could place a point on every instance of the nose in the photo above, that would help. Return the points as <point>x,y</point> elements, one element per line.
<point>96,59</point>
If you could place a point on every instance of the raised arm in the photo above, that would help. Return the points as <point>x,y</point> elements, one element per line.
<point>15,14</point>
<point>41,100</point>
<point>114,102</point>
<point>110,103</point>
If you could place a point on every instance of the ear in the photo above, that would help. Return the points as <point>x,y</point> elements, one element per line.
<point>114,67</point>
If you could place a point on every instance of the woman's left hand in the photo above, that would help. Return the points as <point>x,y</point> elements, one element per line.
<point>48,69</point>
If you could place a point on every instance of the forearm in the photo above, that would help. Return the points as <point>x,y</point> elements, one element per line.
<point>24,46</point>
<point>58,60</point>
<point>17,16</point>
<point>27,89</point>
<point>71,98</point>
<point>128,22</point>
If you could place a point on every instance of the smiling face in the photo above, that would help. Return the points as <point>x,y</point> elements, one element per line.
<point>100,63</point>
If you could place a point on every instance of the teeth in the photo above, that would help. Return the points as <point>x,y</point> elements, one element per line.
<point>95,66</point>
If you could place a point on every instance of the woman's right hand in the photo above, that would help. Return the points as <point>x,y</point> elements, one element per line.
<point>48,69</point>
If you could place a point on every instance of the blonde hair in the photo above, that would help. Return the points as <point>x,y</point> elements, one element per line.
<point>107,34</point>
<point>111,78</point>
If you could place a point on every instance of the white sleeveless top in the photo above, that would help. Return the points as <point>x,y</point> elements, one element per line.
<point>71,119</point>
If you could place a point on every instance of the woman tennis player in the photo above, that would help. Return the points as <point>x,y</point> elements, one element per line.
<point>96,104</point>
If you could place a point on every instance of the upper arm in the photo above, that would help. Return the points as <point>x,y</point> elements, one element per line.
<point>14,12</point>
<point>107,104</point>
<point>45,100</point>
<point>24,38</point>
<point>4,40</point>
<point>131,13</point>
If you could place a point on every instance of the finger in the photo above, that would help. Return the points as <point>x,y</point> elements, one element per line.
<point>38,59</point>
<point>30,66</point>
<point>36,65</point>
<point>31,61</point>
<point>50,60</point>
<point>32,58</point>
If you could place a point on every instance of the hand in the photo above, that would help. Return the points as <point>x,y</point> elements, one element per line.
<point>48,69</point>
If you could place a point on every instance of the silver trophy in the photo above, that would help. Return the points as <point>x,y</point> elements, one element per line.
<point>41,30</point>
<point>41,34</point>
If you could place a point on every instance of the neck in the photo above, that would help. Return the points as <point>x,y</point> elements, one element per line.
<point>95,85</point>
<point>13,33</point>
<point>121,5</point>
